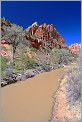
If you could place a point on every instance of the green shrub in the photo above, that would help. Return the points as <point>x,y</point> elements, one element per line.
<point>62,56</point>
<point>3,66</point>
<point>4,62</point>
<point>43,58</point>
<point>24,63</point>
<point>55,56</point>
<point>33,49</point>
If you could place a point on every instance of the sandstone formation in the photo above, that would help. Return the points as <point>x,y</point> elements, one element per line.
<point>42,37</point>
<point>74,48</point>
<point>45,36</point>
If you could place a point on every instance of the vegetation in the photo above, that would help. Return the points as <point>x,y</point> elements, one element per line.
<point>62,56</point>
<point>55,58</point>
<point>4,65</point>
<point>73,85</point>
<point>24,63</point>
<point>33,49</point>
<point>22,60</point>
<point>14,35</point>
<point>24,56</point>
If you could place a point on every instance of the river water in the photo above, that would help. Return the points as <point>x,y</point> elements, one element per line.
<point>31,100</point>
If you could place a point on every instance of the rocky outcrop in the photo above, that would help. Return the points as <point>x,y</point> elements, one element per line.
<point>74,48</point>
<point>41,37</point>
<point>45,36</point>
<point>6,49</point>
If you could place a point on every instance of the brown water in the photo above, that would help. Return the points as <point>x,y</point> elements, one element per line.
<point>31,100</point>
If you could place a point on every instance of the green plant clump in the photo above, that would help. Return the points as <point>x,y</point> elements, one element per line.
<point>3,66</point>
<point>24,63</point>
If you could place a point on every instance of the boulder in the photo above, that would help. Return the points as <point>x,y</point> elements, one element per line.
<point>29,73</point>
<point>3,83</point>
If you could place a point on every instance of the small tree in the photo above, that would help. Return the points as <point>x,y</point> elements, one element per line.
<point>14,35</point>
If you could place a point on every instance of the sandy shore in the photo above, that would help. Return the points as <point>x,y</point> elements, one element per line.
<point>31,100</point>
<point>61,109</point>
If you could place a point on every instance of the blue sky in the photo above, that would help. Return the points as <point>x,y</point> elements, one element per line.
<point>65,16</point>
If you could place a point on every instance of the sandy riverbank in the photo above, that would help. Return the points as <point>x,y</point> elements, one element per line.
<point>61,109</point>
<point>31,100</point>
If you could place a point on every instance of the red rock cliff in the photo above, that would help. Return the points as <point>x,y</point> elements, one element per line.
<point>74,48</point>
<point>46,36</point>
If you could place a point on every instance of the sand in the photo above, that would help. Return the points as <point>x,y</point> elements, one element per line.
<point>61,109</point>
<point>31,100</point>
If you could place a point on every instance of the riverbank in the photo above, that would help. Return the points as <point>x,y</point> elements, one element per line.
<point>67,99</point>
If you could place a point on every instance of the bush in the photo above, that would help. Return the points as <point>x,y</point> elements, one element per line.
<point>3,74</point>
<point>73,86</point>
<point>3,66</point>
<point>55,56</point>
<point>9,71</point>
<point>66,57</point>
<point>3,63</point>
<point>33,49</point>
<point>62,56</point>
<point>24,63</point>
<point>43,58</point>
<point>46,68</point>
<point>22,60</point>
